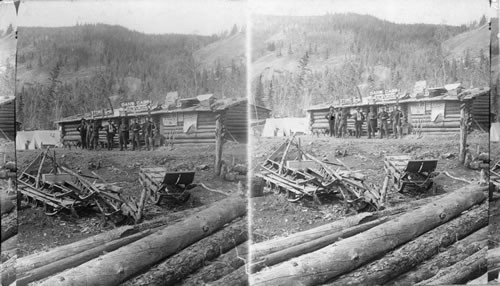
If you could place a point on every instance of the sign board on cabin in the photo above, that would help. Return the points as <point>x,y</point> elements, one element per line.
<point>136,106</point>
<point>384,95</point>
<point>419,89</point>
<point>169,119</point>
<point>171,99</point>
<point>190,121</point>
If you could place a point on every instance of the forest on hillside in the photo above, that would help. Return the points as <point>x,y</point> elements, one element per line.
<point>343,55</point>
<point>71,70</point>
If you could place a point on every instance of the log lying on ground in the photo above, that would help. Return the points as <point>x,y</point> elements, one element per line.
<point>494,259</point>
<point>306,247</point>
<point>219,267</point>
<point>239,277</point>
<point>75,260</point>
<point>117,266</point>
<point>481,280</point>
<point>461,272</point>
<point>8,227</point>
<point>30,262</point>
<point>348,254</point>
<point>453,254</point>
<point>280,243</point>
<point>8,270</point>
<point>9,247</point>
<point>193,257</point>
<point>411,254</point>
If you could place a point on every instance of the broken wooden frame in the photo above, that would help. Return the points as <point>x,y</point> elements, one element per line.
<point>58,189</point>
<point>306,176</point>
<point>406,174</point>
<point>162,185</point>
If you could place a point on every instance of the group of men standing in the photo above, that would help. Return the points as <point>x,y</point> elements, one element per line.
<point>337,120</point>
<point>89,133</point>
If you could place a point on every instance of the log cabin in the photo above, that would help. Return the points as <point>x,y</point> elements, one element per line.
<point>437,113</point>
<point>189,121</point>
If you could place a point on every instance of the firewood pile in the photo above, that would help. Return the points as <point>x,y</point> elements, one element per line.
<point>203,245</point>
<point>56,188</point>
<point>439,241</point>
<point>299,174</point>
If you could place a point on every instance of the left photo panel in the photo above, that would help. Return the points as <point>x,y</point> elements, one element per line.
<point>132,142</point>
<point>8,208</point>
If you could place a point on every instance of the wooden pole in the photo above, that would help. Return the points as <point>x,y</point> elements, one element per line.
<point>463,132</point>
<point>218,268</point>
<point>179,266</point>
<point>461,272</point>
<point>411,254</point>
<point>348,254</point>
<point>115,267</point>
<point>219,141</point>
<point>451,255</point>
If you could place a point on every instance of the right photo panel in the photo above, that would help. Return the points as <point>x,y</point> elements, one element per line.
<point>370,148</point>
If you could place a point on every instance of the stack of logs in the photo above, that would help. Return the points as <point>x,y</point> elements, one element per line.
<point>8,235</point>
<point>164,254</point>
<point>436,241</point>
<point>299,174</point>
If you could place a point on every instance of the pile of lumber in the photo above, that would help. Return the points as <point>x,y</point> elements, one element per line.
<point>46,183</point>
<point>150,253</point>
<point>441,241</point>
<point>299,174</point>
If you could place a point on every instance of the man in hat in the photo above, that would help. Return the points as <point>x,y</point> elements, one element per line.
<point>123,134</point>
<point>95,133</point>
<point>344,114</point>
<point>330,116</point>
<point>359,118</point>
<point>90,131</point>
<point>82,129</point>
<point>338,120</point>
<point>371,122</point>
<point>110,133</point>
<point>136,128</point>
<point>397,118</point>
<point>383,116</point>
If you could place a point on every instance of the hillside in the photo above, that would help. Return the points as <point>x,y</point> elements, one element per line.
<point>7,63</point>
<point>226,51</point>
<point>71,70</point>
<point>313,59</point>
<point>474,42</point>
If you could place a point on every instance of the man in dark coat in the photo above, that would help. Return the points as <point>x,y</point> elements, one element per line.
<point>95,133</point>
<point>372,122</point>
<point>359,118</point>
<point>397,118</point>
<point>123,134</point>
<point>82,128</point>
<point>343,122</point>
<point>383,116</point>
<point>330,116</point>
<point>110,133</point>
<point>135,128</point>
<point>90,131</point>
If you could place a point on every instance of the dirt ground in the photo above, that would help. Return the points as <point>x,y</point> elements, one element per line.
<point>273,216</point>
<point>40,232</point>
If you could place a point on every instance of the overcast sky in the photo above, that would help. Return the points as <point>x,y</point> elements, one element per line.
<point>7,14</point>
<point>451,12</point>
<point>204,17</point>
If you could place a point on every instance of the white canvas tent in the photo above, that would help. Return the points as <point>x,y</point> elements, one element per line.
<point>495,132</point>
<point>285,126</point>
<point>30,140</point>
